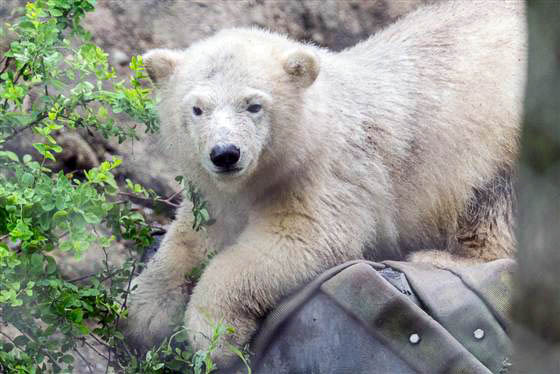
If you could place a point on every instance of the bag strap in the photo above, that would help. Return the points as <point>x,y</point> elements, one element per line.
<point>471,302</point>
<point>395,320</point>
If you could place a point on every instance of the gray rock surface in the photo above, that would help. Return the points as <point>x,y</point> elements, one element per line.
<point>133,26</point>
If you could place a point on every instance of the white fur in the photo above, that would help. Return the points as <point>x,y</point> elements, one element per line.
<point>377,148</point>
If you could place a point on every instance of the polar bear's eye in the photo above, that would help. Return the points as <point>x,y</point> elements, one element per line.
<point>196,111</point>
<point>254,108</point>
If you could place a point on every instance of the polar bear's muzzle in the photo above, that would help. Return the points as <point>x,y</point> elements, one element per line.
<point>225,158</point>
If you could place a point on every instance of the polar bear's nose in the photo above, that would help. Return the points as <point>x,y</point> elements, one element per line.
<point>225,155</point>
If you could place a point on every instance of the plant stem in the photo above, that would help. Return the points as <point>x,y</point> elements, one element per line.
<point>84,360</point>
<point>94,349</point>
<point>165,201</point>
<point>41,117</point>
<point>6,65</point>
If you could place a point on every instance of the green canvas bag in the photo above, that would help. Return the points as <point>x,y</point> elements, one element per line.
<point>392,317</point>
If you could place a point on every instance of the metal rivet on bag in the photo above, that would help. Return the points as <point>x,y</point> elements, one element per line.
<point>414,338</point>
<point>478,334</point>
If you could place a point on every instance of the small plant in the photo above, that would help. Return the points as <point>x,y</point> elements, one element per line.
<point>171,356</point>
<point>202,360</point>
<point>199,205</point>
<point>54,80</point>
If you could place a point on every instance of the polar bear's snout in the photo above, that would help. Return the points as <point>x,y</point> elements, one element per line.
<point>225,156</point>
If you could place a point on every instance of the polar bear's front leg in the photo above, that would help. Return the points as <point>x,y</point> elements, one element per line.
<point>159,294</point>
<point>246,281</point>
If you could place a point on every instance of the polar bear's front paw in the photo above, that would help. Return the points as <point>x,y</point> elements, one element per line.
<point>218,335</point>
<point>148,323</point>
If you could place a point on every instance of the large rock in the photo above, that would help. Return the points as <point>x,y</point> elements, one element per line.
<point>133,26</point>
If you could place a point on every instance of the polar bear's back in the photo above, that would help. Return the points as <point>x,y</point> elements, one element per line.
<point>444,93</point>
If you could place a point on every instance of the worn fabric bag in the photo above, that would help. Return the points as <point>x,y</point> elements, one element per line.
<point>392,317</point>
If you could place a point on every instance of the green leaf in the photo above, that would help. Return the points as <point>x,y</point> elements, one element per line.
<point>59,203</point>
<point>67,359</point>
<point>60,213</point>
<point>49,156</point>
<point>76,315</point>
<point>51,265</point>
<point>21,231</point>
<point>91,218</point>
<point>55,12</point>
<point>26,25</point>
<point>47,206</point>
<point>21,340</point>
<point>27,179</point>
<point>66,246</point>
<point>9,155</point>
<point>37,260</point>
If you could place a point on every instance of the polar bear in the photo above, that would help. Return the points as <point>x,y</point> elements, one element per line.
<point>403,144</point>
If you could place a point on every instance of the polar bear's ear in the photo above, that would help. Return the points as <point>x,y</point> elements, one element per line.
<point>160,63</point>
<point>302,66</point>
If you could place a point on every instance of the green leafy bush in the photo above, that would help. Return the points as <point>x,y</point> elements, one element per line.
<point>53,80</point>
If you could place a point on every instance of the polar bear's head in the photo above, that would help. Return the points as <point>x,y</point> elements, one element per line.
<point>230,104</point>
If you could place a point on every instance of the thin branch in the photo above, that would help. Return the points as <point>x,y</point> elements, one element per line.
<point>100,341</point>
<point>92,275</point>
<point>107,267</point>
<point>118,202</point>
<point>122,344</point>
<point>165,201</point>
<point>20,71</point>
<point>108,362</point>
<point>89,366</point>
<point>174,195</point>
<point>94,349</point>
<point>45,74</point>
<point>41,117</point>
<point>128,287</point>
<point>17,131</point>
<point>20,129</point>
<point>11,340</point>
<point>106,260</point>
<point>6,64</point>
<point>82,278</point>
<point>123,305</point>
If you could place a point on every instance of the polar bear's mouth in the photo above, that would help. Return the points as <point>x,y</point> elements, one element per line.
<point>228,171</point>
